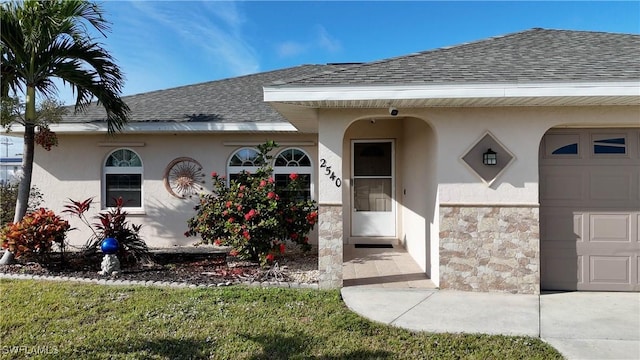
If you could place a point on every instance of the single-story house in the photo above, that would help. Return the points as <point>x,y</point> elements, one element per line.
<point>506,164</point>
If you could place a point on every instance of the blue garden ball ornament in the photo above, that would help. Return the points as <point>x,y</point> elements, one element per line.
<point>109,246</point>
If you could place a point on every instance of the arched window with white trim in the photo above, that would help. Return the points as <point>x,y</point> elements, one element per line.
<point>290,161</point>
<point>244,159</point>
<point>123,178</point>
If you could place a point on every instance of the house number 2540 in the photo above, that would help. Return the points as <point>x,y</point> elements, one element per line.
<point>329,173</point>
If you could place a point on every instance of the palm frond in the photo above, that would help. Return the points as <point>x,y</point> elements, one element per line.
<point>43,40</point>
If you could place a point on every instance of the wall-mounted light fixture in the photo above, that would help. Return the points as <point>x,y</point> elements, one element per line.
<point>490,157</point>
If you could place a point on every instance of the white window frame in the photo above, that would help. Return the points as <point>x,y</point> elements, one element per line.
<point>306,170</point>
<point>233,170</point>
<point>110,170</point>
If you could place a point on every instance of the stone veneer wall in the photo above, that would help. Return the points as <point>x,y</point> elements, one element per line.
<point>490,248</point>
<point>330,246</point>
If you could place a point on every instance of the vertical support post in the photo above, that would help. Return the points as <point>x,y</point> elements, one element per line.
<point>330,205</point>
<point>330,246</point>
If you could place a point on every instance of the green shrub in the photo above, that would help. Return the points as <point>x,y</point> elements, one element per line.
<point>252,216</point>
<point>35,235</point>
<point>8,197</point>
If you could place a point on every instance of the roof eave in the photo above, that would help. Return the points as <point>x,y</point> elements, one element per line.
<point>168,127</point>
<point>327,94</point>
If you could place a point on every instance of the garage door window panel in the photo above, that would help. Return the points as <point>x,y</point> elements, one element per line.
<point>608,145</point>
<point>562,145</point>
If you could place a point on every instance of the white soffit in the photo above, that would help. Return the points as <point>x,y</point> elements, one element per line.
<point>168,127</point>
<point>625,92</point>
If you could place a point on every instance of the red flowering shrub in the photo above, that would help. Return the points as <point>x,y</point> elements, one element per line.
<point>252,216</point>
<point>35,234</point>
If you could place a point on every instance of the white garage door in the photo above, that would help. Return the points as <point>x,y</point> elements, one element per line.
<point>590,210</point>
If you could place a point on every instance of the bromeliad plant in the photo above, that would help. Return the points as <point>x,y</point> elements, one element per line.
<point>112,223</point>
<point>252,216</point>
<point>35,235</point>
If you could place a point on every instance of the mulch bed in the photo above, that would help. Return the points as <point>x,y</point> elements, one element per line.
<point>192,268</point>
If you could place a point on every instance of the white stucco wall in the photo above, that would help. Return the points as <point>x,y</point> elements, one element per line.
<point>418,190</point>
<point>74,169</point>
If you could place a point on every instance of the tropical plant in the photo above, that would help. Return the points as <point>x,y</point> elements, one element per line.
<point>112,223</point>
<point>35,234</point>
<point>43,40</point>
<point>252,216</point>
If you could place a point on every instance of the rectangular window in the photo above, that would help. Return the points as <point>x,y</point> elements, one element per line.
<point>304,180</point>
<point>127,186</point>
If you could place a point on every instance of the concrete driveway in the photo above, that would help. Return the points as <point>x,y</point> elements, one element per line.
<point>581,325</point>
<point>592,325</point>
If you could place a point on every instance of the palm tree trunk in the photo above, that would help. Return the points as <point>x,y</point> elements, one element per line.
<point>27,158</point>
<point>24,188</point>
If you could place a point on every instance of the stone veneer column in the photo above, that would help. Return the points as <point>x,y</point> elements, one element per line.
<point>330,246</point>
<point>490,248</point>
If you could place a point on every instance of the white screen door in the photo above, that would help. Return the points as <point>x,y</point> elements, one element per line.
<point>372,189</point>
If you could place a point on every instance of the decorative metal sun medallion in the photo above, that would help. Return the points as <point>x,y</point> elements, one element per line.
<point>183,177</point>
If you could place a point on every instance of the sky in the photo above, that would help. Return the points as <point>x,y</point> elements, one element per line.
<point>164,44</point>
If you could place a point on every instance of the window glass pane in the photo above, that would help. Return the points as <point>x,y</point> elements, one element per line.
<point>372,194</point>
<point>124,158</point>
<point>604,149</point>
<point>127,186</point>
<point>372,159</point>
<point>292,157</point>
<point>282,180</point>
<point>610,146</point>
<point>244,157</point>
<point>571,149</point>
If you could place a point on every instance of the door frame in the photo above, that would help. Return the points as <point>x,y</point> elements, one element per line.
<point>394,213</point>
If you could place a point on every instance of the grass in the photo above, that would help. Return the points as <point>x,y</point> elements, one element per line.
<point>78,321</point>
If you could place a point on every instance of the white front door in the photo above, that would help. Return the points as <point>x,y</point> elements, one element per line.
<point>373,207</point>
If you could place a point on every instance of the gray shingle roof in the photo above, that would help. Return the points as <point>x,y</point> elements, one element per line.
<point>536,55</point>
<point>233,100</point>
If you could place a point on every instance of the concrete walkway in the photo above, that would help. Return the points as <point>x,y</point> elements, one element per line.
<point>581,325</point>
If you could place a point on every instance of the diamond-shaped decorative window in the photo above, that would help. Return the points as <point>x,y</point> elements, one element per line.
<point>476,158</point>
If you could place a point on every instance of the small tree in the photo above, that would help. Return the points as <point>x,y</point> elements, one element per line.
<point>252,216</point>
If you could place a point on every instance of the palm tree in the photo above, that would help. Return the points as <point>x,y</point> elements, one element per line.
<point>43,40</point>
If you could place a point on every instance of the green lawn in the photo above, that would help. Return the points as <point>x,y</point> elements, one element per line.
<point>73,321</point>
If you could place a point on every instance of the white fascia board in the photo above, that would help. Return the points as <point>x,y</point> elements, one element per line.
<point>349,93</point>
<point>167,127</point>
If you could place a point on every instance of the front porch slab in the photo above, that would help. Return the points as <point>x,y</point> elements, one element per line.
<point>380,267</point>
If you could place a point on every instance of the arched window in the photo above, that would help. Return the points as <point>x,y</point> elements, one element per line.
<point>123,178</point>
<point>244,159</point>
<point>289,161</point>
